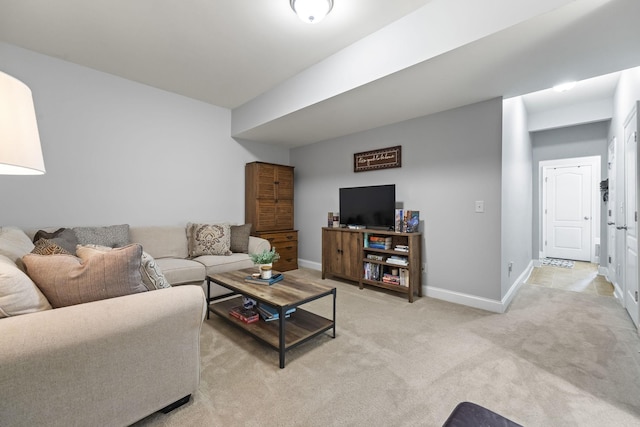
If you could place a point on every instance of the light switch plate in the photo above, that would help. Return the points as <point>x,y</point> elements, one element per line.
<point>479,206</point>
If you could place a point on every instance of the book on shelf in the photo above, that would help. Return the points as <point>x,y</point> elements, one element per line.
<point>375,257</point>
<point>397,260</point>
<point>379,245</point>
<point>398,225</point>
<point>380,239</point>
<point>411,221</point>
<point>259,281</point>
<point>404,277</point>
<point>372,271</point>
<point>391,279</point>
<point>269,313</point>
<point>247,315</point>
<point>401,248</point>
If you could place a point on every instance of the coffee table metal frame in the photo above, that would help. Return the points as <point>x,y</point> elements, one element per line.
<point>302,325</point>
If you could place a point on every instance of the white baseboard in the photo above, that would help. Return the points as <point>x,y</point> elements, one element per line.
<point>488,304</point>
<point>603,271</point>
<point>309,264</point>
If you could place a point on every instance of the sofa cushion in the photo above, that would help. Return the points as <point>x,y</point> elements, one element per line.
<point>209,239</point>
<point>18,294</point>
<point>151,275</point>
<point>14,244</point>
<point>68,280</point>
<point>240,238</point>
<point>161,241</point>
<point>179,271</point>
<point>115,236</point>
<point>64,237</point>
<point>220,264</point>
<point>49,247</point>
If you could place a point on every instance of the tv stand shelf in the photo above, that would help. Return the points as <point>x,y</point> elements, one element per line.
<point>347,254</point>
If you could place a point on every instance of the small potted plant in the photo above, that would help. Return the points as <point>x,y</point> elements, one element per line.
<point>265,261</point>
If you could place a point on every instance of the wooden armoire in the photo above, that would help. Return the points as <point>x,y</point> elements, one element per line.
<point>269,208</point>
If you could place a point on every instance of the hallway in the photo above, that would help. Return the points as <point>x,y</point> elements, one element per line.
<point>583,277</point>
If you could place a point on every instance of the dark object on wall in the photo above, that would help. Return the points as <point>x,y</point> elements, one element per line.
<point>468,414</point>
<point>383,158</point>
<point>604,189</point>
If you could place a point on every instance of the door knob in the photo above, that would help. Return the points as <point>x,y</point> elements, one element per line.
<point>611,223</point>
<point>586,217</point>
<point>622,227</point>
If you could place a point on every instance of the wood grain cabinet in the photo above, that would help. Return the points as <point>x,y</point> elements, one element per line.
<point>269,196</point>
<point>383,259</point>
<point>269,208</point>
<point>341,253</point>
<point>286,244</point>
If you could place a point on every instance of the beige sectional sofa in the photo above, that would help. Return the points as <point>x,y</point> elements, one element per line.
<point>111,361</point>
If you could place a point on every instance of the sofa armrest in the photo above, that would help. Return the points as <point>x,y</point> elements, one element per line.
<point>258,245</point>
<point>119,359</point>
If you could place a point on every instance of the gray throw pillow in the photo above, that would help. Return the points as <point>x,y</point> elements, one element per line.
<point>114,236</point>
<point>240,238</point>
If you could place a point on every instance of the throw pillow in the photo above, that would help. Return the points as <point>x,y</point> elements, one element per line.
<point>14,244</point>
<point>114,236</point>
<point>18,294</point>
<point>64,237</point>
<point>209,239</point>
<point>151,274</point>
<point>240,238</point>
<point>48,247</point>
<point>66,280</point>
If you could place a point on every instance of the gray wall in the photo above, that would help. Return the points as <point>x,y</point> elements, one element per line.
<point>516,193</point>
<point>117,151</point>
<point>449,160</point>
<point>573,141</point>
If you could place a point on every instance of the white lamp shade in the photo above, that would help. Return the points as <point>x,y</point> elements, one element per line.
<point>20,151</point>
<point>312,11</point>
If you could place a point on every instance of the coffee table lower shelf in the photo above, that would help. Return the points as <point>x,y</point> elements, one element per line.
<point>300,327</point>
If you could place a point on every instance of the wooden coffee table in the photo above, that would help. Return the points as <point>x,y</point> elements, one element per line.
<point>282,334</point>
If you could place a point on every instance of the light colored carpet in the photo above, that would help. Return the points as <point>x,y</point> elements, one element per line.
<point>556,358</point>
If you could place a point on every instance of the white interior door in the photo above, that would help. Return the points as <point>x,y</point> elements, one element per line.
<point>611,215</point>
<point>568,212</point>
<point>631,230</point>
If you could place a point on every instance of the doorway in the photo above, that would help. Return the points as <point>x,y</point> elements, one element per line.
<point>570,209</point>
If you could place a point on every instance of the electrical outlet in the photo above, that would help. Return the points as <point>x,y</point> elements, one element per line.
<point>510,266</point>
<point>479,206</point>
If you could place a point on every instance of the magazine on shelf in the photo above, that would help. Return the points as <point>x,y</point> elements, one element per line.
<point>269,313</point>
<point>247,315</point>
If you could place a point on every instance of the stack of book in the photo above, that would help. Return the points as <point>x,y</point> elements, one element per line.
<point>391,279</point>
<point>247,315</point>
<point>379,242</point>
<point>402,248</point>
<point>398,260</point>
<point>269,313</point>
<point>259,281</point>
<point>375,257</point>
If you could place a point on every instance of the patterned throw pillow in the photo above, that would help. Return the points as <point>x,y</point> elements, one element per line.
<point>114,236</point>
<point>49,247</point>
<point>209,239</point>
<point>64,237</point>
<point>152,276</point>
<point>240,238</point>
<point>66,280</point>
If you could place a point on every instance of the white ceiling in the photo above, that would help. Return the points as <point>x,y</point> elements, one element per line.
<point>232,53</point>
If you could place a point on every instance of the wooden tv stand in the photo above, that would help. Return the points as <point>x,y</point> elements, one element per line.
<point>348,254</point>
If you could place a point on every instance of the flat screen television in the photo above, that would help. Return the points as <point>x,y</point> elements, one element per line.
<point>372,206</point>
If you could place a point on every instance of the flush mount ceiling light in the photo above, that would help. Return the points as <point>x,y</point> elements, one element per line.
<point>311,11</point>
<point>563,87</point>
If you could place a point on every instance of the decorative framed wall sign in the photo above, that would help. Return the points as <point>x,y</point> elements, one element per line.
<point>383,158</point>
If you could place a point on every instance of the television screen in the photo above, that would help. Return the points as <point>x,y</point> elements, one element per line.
<point>372,206</point>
